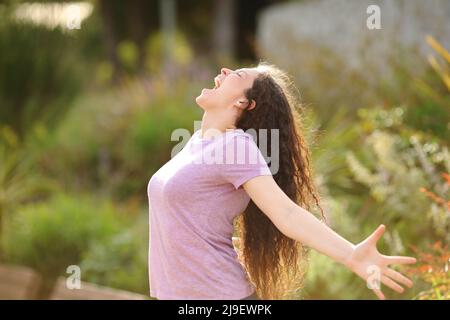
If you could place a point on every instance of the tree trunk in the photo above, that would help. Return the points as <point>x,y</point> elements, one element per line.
<point>168,25</point>
<point>138,34</point>
<point>224,30</point>
<point>109,35</point>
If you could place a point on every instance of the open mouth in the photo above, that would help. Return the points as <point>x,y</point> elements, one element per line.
<point>216,83</point>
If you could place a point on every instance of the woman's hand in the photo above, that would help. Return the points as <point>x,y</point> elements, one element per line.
<point>372,266</point>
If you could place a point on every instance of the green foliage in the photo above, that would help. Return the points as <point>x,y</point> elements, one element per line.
<point>19,182</point>
<point>182,53</point>
<point>398,163</point>
<point>327,279</point>
<point>147,144</point>
<point>329,142</point>
<point>39,75</point>
<point>125,138</point>
<point>49,236</point>
<point>72,154</point>
<point>121,262</point>
<point>128,54</point>
<point>426,95</point>
<point>152,128</point>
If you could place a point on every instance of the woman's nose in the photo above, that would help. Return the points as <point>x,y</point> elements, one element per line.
<point>225,71</point>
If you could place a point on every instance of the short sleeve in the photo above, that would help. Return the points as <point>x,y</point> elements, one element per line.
<point>243,160</point>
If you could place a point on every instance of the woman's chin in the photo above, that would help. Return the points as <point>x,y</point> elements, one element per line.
<point>206,91</point>
<point>203,97</point>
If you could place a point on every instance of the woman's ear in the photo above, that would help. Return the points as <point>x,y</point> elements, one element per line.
<point>245,105</point>
<point>251,105</point>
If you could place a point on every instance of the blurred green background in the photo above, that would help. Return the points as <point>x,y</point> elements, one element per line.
<point>91,91</point>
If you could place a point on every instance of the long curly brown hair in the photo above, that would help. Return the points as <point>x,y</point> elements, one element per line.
<point>275,263</point>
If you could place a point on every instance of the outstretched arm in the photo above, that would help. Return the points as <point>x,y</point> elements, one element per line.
<point>299,224</point>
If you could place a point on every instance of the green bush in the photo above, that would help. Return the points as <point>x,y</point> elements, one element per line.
<point>121,262</point>
<point>393,165</point>
<point>19,181</point>
<point>50,236</point>
<point>182,53</point>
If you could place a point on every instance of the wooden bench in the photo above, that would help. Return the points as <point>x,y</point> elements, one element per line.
<point>18,283</point>
<point>90,291</point>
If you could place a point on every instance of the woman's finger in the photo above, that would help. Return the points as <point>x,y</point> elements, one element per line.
<point>397,276</point>
<point>400,260</point>
<point>377,234</point>
<point>379,294</point>
<point>391,284</point>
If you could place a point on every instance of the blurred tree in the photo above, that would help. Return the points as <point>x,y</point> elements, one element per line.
<point>229,31</point>
<point>168,25</point>
<point>131,20</point>
<point>109,34</point>
<point>40,74</point>
<point>224,29</point>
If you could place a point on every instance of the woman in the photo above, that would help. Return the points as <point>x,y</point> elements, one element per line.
<point>194,202</point>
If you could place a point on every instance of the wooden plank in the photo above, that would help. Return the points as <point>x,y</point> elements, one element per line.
<point>91,291</point>
<point>18,283</point>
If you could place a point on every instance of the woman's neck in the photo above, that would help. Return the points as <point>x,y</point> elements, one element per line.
<point>214,125</point>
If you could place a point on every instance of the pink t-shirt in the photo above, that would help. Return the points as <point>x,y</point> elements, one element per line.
<point>192,203</point>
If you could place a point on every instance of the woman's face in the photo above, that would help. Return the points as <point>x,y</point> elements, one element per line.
<point>229,89</point>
